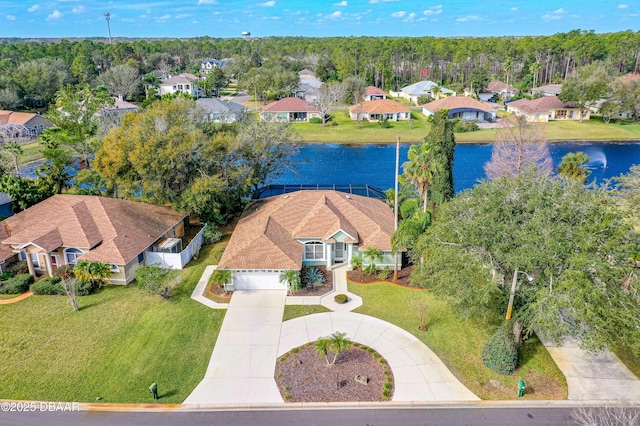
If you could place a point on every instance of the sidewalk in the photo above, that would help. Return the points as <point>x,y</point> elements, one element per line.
<point>592,377</point>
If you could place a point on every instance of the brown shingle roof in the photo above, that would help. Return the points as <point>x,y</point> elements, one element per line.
<point>12,117</point>
<point>265,237</point>
<point>499,86</point>
<point>114,231</point>
<point>542,104</point>
<point>371,90</point>
<point>380,106</point>
<point>456,102</point>
<point>290,105</point>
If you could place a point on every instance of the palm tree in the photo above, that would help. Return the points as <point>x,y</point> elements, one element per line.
<point>372,254</point>
<point>292,279</point>
<point>82,270</point>
<point>99,273</point>
<point>356,262</point>
<point>338,342</point>
<point>423,164</point>
<point>410,229</point>
<point>572,166</point>
<point>222,277</point>
<point>534,69</point>
<point>323,346</point>
<point>507,67</point>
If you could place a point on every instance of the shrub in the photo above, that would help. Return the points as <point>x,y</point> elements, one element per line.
<point>212,234</point>
<point>386,393</point>
<point>85,288</point>
<point>500,353</point>
<point>18,268</point>
<point>49,285</point>
<point>315,120</point>
<point>384,123</point>
<point>408,208</point>
<point>387,385</point>
<point>5,276</point>
<point>341,298</point>
<point>461,126</point>
<point>314,277</point>
<point>356,262</point>
<point>18,284</point>
<point>65,271</point>
<point>385,273</point>
<point>424,99</point>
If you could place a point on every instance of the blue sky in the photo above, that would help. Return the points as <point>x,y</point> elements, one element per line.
<point>229,18</point>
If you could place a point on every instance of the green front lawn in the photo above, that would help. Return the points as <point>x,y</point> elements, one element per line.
<point>295,311</point>
<point>347,130</point>
<point>118,343</point>
<point>459,342</point>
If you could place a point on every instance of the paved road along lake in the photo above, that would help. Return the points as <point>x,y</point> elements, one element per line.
<point>327,164</point>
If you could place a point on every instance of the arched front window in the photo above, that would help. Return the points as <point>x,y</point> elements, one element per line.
<point>314,251</point>
<point>71,254</point>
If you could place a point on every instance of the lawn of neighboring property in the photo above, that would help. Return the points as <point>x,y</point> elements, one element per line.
<point>118,343</point>
<point>347,130</point>
<point>459,342</point>
<point>295,311</point>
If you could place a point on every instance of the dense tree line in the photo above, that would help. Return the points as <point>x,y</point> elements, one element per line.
<point>387,62</point>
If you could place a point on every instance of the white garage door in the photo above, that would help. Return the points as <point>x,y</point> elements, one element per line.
<point>257,280</point>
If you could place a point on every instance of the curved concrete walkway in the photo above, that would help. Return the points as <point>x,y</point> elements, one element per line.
<point>593,377</point>
<point>419,375</point>
<point>15,299</point>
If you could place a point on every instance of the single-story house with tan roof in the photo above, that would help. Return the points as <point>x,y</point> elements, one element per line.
<point>182,83</point>
<point>290,110</point>
<point>462,107</point>
<point>64,229</point>
<point>35,123</point>
<point>545,109</point>
<point>372,93</point>
<point>305,228</point>
<point>380,109</point>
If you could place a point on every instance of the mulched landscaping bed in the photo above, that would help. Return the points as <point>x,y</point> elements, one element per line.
<point>313,380</point>
<point>403,276</point>
<point>319,290</point>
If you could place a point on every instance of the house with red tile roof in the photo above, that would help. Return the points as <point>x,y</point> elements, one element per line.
<point>373,94</point>
<point>462,107</point>
<point>290,110</point>
<point>34,123</point>
<point>305,228</point>
<point>64,229</point>
<point>380,109</point>
<point>545,109</point>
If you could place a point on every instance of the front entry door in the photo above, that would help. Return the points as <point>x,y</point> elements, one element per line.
<point>338,252</point>
<point>54,262</point>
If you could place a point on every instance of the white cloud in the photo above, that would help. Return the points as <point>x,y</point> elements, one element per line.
<point>435,10</point>
<point>207,1</point>
<point>343,3</point>
<point>270,3</point>
<point>77,10</point>
<point>163,17</point>
<point>410,17</point>
<point>558,11</point>
<point>469,18</point>
<point>381,1</point>
<point>34,8</point>
<point>623,6</point>
<point>182,15</point>
<point>513,9</point>
<point>54,15</point>
<point>399,14</point>
<point>335,14</point>
<point>10,18</point>
<point>554,16</point>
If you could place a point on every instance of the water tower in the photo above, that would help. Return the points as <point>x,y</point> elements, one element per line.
<point>246,34</point>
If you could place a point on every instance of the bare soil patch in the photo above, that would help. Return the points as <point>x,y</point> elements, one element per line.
<point>304,376</point>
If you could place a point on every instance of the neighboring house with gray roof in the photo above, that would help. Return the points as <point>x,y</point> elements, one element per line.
<point>222,112</point>
<point>64,229</point>
<point>305,228</point>
<point>209,64</point>
<point>462,107</point>
<point>422,88</point>
<point>547,90</point>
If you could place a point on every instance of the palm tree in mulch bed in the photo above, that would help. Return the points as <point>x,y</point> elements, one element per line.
<point>336,343</point>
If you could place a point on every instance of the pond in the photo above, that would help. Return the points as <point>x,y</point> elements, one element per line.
<point>327,164</point>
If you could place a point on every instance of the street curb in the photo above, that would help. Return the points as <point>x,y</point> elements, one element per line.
<point>107,407</point>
